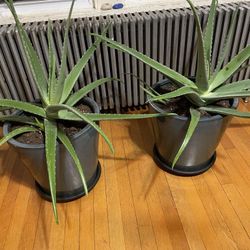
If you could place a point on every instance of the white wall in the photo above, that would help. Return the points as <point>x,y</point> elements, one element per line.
<point>58,9</point>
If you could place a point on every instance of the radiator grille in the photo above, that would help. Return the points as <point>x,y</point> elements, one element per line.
<point>168,36</point>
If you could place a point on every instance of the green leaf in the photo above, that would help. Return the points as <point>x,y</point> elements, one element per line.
<point>25,106</point>
<point>56,108</point>
<point>151,62</point>
<point>56,113</point>
<point>32,57</point>
<point>17,118</point>
<point>234,87</point>
<point>195,117</point>
<point>226,46</point>
<point>68,145</point>
<point>50,128</point>
<point>179,92</point>
<point>62,71</point>
<point>52,83</point>
<point>77,96</point>
<point>77,69</point>
<point>16,132</point>
<point>209,31</point>
<point>230,68</point>
<point>202,65</point>
<point>225,111</point>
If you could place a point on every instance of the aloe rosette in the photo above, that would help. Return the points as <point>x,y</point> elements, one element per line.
<point>210,85</point>
<point>57,101</point>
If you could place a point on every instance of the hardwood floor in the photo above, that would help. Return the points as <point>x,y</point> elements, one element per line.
<point>135,205</point>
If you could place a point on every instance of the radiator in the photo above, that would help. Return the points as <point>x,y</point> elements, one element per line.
<point>167,36</point>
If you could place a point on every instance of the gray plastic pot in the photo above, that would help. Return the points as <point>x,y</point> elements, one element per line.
<point>68,182</point>
<point>199,154</point>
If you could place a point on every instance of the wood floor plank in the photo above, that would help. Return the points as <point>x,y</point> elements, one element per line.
<point>17,221</point>
<point>133,152</point>
<point>230,217</point>
<point>102,240</point>
<point>231,160</point>
<point>8,204</point>
<point>239,206</point>
<point>72,226</point>
<point>159,223</point>
<point>112,194</point>
<point>130,224</point>
<point>87,232</point>
<point>31,216</point>
<point>217,220</point>
<point>178,187</point>
<point>57,231</point>
<point>45,220</point>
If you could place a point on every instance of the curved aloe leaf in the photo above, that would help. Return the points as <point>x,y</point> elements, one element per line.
<point>16,132</point>
<point>234,87</point>
<point>179,92</point>
<point>52,91</point>
<point>226,95</point>
<point>61,76</point>
<point>56,108</point>
<point>32,56</point>
<point>66,115</point>
<point>149,61</point>
<point>202,64</point>
<point>209,31</point>
<point>226,111</point>
<point>19,119</point>
<point>230,68</point>
<point>50,128</point>
<point>25,106</point>
<point>226,46</point>
<point>77,96</point>
<point>195,117</point>
<point>68,145</point>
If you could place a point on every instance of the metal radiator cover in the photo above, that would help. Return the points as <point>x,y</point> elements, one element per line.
<point>167,36</point>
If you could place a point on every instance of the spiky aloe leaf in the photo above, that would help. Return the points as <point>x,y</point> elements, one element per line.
<point>202,65</point>
<point>66,115</point>
<point>230,68</point>
<point>77,96</point>
<point>17,118</point>
<point>16,132</point>
<point>52,91</point>
<point>195,117</point>
<point>61,76</point>
<point>234,87</point>
<point>208,34</point>
<point>179,92</point>
<point>50,128</point>
<point>68,145</point>
<point>52,108</point>
<point>149,61</point>
<point>227,43</point>
<point>25,106</point>
<point>31,55</point>
<point>226,111</point>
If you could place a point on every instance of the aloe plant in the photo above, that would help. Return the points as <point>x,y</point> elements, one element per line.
<point>57,102</point>
<point>209,86</point>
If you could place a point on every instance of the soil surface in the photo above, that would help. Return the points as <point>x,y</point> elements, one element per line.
<point>69,127</point>
<point>181,105</point>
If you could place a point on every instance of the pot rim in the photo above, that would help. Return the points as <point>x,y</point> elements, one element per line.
<point>185,118</point>
<point>16,143</point>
